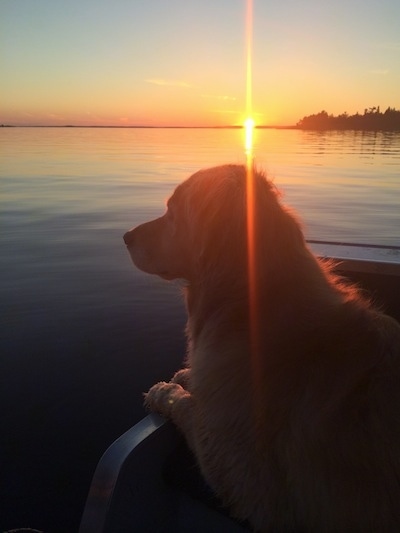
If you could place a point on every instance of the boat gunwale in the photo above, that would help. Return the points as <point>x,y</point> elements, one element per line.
<point>363,258</point>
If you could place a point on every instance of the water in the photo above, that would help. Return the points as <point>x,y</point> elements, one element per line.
<point>82,333</point>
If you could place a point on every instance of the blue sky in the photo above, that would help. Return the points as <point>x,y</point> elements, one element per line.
<point>160,62</point>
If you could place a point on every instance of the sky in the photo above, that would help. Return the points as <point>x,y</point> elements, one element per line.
<point>183,62</point>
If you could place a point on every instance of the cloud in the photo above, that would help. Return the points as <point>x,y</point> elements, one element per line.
<point>219,97</point>
<point>55,116</point>
<point>224,111</point>
<point>379,72</point>
<point>392,46</point>
<point>168,83</point>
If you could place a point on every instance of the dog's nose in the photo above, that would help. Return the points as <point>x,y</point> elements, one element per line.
<point>128,237</point>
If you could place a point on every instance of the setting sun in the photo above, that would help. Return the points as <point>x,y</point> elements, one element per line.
<point>249,126</point>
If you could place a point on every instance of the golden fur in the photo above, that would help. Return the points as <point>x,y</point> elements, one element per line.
<point>295,418</point>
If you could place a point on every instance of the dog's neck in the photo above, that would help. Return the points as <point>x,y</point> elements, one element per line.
<point>227,298</point>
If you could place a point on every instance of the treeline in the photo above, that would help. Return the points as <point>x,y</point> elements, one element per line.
<point>372,119</point>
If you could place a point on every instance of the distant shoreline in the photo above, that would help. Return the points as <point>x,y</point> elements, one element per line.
<point>372,120</point>
<point>143,127</point>
<point>294,127</point>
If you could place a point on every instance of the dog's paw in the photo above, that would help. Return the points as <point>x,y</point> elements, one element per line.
<point>162,396</point>
<point>182,378</point>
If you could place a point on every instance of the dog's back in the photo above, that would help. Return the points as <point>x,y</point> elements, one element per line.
<point>307,439</point>
<point>339,452</point>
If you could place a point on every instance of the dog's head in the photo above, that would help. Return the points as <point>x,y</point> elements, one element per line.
<point>205,226</point>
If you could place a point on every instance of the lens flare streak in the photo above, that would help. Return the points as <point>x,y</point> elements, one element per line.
<point>249,126</point>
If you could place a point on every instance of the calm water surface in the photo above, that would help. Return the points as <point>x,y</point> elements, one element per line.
<point>83,333</point>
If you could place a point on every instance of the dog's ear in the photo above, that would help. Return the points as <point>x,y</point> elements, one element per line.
<point>221,240</point>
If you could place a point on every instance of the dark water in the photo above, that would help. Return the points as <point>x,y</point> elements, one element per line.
<point>82,338</point>
<point>82,333</point>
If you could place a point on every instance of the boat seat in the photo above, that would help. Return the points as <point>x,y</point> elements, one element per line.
<point>147,481</point>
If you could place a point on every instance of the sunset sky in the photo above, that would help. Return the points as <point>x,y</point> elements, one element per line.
<point>183,62</point>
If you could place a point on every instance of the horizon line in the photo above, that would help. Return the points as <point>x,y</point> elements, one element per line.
<point>140,126</point>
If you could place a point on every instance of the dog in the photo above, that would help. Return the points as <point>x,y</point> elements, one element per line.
<point>290,398</point>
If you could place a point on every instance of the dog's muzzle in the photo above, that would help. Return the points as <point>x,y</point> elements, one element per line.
<point>129,237</point>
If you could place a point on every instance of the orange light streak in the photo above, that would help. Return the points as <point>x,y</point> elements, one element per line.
<point>248,128</point>
<point>249,64</point>
<point>249,125</point>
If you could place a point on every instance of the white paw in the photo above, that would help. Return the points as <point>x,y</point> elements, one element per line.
<point>162,396</point>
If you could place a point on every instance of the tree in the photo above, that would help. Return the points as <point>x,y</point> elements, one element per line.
<point>372,119</point>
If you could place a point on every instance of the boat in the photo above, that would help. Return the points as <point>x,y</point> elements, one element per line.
<point>147,480</point>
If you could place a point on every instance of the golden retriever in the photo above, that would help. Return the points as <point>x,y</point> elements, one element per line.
<point>291,395</point>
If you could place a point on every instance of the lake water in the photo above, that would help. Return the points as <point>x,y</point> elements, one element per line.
<point>82,333</point>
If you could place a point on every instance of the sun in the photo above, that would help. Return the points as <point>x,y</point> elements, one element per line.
<point>249,125</point>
